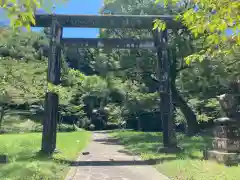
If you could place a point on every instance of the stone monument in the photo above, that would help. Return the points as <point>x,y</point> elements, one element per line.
<point>226,132</point>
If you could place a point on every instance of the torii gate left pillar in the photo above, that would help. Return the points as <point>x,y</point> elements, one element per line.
<point>51,98</point>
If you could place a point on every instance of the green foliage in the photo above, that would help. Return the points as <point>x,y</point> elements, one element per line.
<point>210,21</point>
<point>77,111</point>
<point>25,84</point>
<point>115,113</point>
<point>198,83</point>
<point>138,101</point>
<point>24,69</point>
<point>58,89</point>
<point>22,45</point>
<point>205,109</point>
<point>159,24</point>
<point>22,13</point>
<point>118,79</point>
<point>94,85</point>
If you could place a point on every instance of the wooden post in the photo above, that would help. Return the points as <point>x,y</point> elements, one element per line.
<point>166,105</point>
<point>51,98</point>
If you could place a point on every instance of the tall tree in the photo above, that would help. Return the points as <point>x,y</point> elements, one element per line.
<point>177,38</point>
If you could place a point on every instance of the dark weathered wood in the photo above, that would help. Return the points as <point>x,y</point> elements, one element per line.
<point>110,43</point>
<point>166,105</point>
<point>101,21</point>
<point>50,123</point>
<point>4,159</point>
<point>51,98</point>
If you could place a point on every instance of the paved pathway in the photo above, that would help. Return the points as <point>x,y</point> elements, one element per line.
<point>108,161</point>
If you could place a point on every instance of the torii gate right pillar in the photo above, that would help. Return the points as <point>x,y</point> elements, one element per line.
<point>164,76</point>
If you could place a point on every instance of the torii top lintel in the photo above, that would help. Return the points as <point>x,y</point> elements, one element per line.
<point>106,21</point>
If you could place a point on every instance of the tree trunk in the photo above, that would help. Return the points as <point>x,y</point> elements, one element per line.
<point>192,124</point>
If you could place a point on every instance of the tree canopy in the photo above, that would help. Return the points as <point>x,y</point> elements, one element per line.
<point>216,23</point>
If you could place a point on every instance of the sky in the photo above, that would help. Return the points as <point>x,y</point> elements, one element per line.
<point>79,7</point>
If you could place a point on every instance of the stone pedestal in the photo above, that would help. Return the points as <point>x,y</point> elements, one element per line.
<point>226,136</point>
<point>226,132</point>
<point>226,142</point>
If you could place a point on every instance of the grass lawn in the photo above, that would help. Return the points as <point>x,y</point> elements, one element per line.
<point>26,164</point>
<point>186,165</point>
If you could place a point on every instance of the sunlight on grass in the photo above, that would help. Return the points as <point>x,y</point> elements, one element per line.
<point>185,165</point>
<point>25,163</point>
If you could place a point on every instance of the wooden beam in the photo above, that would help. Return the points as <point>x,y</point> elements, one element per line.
<point>110,43</point>
<point>103,21</point>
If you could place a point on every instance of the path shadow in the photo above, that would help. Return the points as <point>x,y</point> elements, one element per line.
<point>108,141</point>
<point>151,143</point>
<point>129,153</point>
<point>116,162</point>
<point>109,131</point>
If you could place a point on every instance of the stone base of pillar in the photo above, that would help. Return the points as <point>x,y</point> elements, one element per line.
<point>222,157</point>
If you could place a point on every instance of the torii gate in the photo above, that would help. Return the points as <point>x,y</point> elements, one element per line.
<point>159,42</point>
